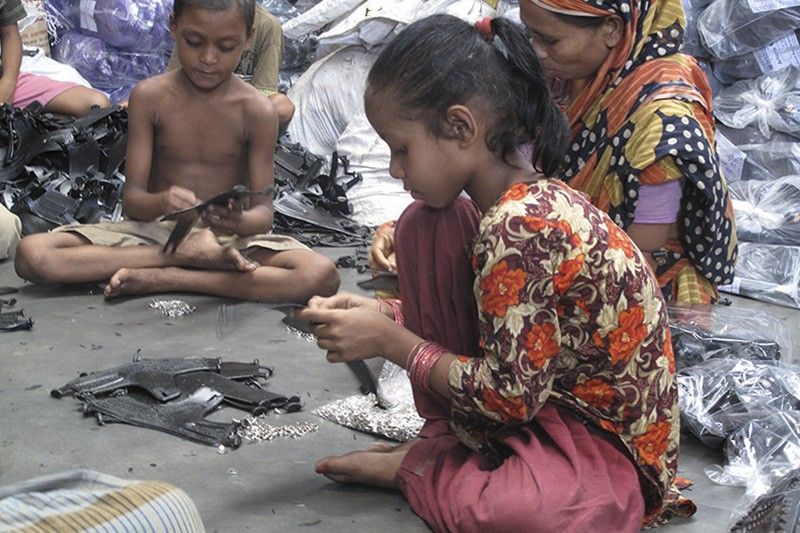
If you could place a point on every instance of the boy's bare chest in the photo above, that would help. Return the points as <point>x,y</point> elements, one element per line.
<point>202,135</point>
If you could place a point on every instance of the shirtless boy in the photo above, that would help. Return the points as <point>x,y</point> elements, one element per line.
<point>193,133</point>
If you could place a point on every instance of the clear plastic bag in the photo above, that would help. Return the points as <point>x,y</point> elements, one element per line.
<point>692,44</point>
<point>760,451</point>
<point>704,332</point>
<point>763,160</point>
<point>721,395</point>
<point>394,387</point>
<point>771,101</point>
<point>135,25</point>
<point>777,55</point>
<point>105,67</point>
<point>730,28</point>
<point>767,272</point>
<point>767,211</point>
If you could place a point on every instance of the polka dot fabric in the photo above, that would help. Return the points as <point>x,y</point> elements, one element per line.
<point>647,118</point>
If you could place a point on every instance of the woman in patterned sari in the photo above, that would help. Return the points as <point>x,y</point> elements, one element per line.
<point>642,133</point>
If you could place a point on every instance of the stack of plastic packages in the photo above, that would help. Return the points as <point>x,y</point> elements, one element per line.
<point>112,43</point>
<point>329,96</point>
<point>739,390</point>
<point>751,53</point>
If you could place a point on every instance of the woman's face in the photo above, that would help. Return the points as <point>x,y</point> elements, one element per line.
<point>567,51</point>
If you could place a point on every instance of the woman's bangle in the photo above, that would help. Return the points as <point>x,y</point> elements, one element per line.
<point>421,360</point>
<point>397,310</point>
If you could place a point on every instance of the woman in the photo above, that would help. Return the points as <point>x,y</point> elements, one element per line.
<point>642,135</point>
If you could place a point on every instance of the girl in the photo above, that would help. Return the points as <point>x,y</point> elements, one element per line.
<point>532,329</point>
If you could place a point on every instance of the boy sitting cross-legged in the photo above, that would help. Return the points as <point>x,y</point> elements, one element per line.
<point>193,133</point>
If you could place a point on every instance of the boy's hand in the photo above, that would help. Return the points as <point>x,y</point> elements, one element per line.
<point>227,219</point>
<point>382,251</point>
<point>176,198</point>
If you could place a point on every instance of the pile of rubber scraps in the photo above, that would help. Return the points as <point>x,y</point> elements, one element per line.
<point>61,170</point>
<point>175,395</point>
<point>13,320</point>
<point>311,204</point>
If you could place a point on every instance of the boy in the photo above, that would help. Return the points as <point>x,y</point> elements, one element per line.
<point>261,62</point>
<point>193,133</point>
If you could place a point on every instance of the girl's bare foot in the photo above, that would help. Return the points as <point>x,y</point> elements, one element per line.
<point>376,466</point>
<point>201,250</point>
<point>139,281</point>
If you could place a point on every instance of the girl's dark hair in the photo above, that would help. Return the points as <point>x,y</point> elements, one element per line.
<point>247,7</point>
<point>441,61</point>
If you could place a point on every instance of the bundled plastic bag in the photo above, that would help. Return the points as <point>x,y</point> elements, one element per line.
<point>782,53</point>
<point>721,395</point>
<point>704,332</point>
<point>106,67</point>
<point>136,25</point>
<point>763,161</point>
<point>734,27</point>
<point>327,96</point>
<point>771,101</point>
<point>297,53</point>
<point>767,272</point>
<point>768,211</point>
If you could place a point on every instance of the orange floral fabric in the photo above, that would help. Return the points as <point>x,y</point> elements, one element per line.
<point>569,312</point>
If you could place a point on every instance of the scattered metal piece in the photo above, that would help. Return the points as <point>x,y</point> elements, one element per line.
<point>172,308</point>
<point>257,429</point>
<point>400,423</point>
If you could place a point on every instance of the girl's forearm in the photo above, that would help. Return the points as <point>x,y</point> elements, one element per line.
<point>399,343</point>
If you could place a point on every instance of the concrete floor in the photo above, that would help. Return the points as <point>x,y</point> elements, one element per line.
<point>259,487</point>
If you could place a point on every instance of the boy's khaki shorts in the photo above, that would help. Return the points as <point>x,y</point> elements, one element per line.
<point>135,233</point>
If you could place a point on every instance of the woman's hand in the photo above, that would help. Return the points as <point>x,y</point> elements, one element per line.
<point>349,334</point>
<point>226,219</point>
<point>382,255</point>
<point>176,198</point>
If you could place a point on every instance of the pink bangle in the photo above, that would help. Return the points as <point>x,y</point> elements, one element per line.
<point>421,360</point>
<point>397,309</point>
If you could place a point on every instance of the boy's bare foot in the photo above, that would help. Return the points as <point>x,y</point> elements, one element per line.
<point>376,466</point>
<point>139,281</point>
<point>201,250</point>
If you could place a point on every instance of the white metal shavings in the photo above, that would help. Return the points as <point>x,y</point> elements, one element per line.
<point>172,308</point>
<point>257,429</point>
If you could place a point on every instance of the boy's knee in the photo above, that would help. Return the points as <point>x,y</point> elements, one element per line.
<point>98,99</point>
<point>322,276</point>
<point>32,260</point>
<point>29,260</point>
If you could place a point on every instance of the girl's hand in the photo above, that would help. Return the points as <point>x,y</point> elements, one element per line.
<point>349,334</point>
<point>227,219</point>
<point>345,300</point>
<point>176,198</point>
<point>382,251</point>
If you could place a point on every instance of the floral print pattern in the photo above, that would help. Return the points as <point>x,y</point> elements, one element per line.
<point>569,312</point>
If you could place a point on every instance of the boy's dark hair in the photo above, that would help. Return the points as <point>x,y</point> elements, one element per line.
<point>441,61</point>
<point>247,7</point>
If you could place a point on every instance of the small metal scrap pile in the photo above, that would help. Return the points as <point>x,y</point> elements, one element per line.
<point>61,170</point>
<point>257,429</point>
<point>12,320</point>
<point>172,308</point>
<point>400,423</point>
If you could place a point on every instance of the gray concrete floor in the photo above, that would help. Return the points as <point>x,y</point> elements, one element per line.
<point>259,487</point>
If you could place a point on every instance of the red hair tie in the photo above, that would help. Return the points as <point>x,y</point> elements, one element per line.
<point>484,27</point>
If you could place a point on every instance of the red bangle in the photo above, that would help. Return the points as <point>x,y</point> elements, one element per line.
<point>397,309</point>
<point>421,360</point>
